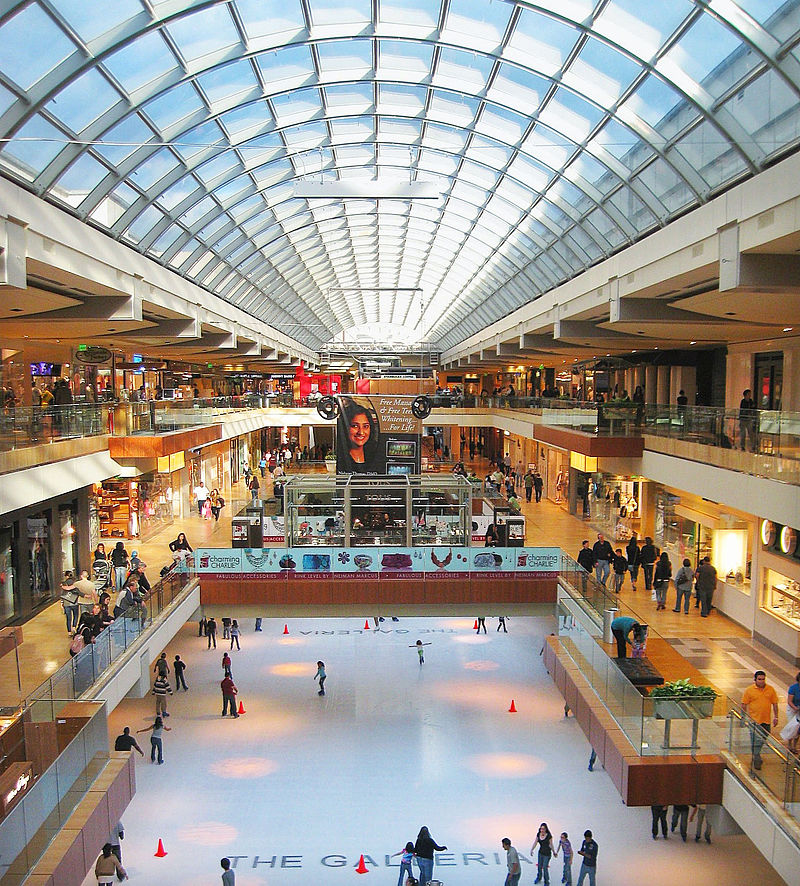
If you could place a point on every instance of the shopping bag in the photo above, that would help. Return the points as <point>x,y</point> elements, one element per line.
<point>790,730</point>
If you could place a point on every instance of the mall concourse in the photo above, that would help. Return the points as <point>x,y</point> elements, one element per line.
<point>317,314</point>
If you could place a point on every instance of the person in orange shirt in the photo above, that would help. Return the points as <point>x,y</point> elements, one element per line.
<point>756,703</point>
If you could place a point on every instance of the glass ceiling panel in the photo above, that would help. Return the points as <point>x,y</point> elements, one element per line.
<point>202,32</point>
<point>535,124</point>
<point>31,44</point>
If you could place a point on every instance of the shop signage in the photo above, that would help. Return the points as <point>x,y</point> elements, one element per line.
<point>788,540</point>
<point>767,533</point>
<point>444,561</point>
<point>14,782</point>
<point>93,355</point>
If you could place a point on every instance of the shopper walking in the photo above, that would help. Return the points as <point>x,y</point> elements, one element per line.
<point>705,585</point>
<point>527,482</point>
<point>647,557</point>
<point>632,555</point>
<point>683,586</point>
<point>156,739</point>
<point>538,485</point>
<point>179,666</point>
<point>700,811</point>
<point>161,689</point>
<point>119,560</point>
<point>229,693</point>
<point>321,676</point>
<point>588,852</point>
<point>512,861</point>
<point>603,555</point>
<point>424,849</point>
<point>620,567</point>
<point>661,579</point>
<point>235,634</point>
<point>544,844</point>
<point>756,703</point>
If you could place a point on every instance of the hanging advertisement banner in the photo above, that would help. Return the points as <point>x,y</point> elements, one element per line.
<point>377,435</point>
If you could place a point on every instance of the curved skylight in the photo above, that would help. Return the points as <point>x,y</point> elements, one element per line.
<point>555,132</point>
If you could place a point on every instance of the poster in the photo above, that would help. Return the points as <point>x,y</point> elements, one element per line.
<point>377,435</point>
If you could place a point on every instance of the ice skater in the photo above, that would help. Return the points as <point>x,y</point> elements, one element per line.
<point>501,623</point>
<point>420,652</point>
<point>405,863</point>
<point>321,676</point>
<point>481,624</point>
<point>234,634</point>
<point>179,666</point>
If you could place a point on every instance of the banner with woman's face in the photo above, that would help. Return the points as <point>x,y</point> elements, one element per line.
<point>377,435</point>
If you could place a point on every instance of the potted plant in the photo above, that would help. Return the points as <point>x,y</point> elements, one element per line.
<point>682,700</point>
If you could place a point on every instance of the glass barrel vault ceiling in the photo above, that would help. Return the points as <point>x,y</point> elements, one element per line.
<point>558,132</point>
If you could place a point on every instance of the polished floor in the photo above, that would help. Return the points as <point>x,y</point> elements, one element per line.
<point>313,782</point>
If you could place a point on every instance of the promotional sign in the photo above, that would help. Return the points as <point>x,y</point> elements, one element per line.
<point>537,562</point>
<point>274,530</point>
<point>225,560</point>
<point>377,435</point>
<point>440,561</point>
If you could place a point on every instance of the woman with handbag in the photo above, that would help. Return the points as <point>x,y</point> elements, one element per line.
<point>69,601</point>
<point>661,579</point>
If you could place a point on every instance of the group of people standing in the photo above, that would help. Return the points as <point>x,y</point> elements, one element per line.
<point>656,568</point>
<point>545,849</point>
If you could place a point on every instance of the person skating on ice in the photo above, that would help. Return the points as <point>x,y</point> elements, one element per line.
<point>418,646</point>
<point>321,676</point>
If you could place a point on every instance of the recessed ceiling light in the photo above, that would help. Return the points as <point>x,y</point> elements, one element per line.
<point>15,310</point>
<point>639,332</point>
<point>608,355</point>
<point>787,328</point>
<point>730,313</point>
<point>692,342</point>
<point>633,351</point>
<point>655,349</point>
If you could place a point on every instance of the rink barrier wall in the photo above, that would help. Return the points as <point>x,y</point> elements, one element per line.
<point>641,781</point>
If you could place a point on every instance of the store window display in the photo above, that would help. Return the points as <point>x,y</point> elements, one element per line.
<point>781,596</point>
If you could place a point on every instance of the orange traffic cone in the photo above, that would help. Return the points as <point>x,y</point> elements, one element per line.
<point>361,868</point>
<point>160,852</point>
<point>286,629</point>
<point>366,628</point>
<point>513,708</point>
<point>475,626</point>
<point>241,708</point>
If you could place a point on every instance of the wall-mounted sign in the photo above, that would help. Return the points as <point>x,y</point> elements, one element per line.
<point>93,355</point>
<point>14,782</point>
<point>767,533</point>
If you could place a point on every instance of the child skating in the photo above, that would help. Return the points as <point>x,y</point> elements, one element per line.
<point>321,675</point>
<point>420,652</point>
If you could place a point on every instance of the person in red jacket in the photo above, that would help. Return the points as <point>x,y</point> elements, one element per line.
<point>229,692</point>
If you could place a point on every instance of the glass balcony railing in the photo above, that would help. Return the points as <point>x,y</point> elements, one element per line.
<point>25,426</point>
<point>673,725</point>
<point>82,671</point>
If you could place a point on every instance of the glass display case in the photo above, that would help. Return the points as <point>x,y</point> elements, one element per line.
<point>395,510</point>
<point>781,596</point>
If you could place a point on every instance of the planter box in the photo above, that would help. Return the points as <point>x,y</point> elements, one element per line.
<point>330,467</point>
<point>688,709</point>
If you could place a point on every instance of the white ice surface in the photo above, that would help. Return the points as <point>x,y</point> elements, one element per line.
<point>391,747</point>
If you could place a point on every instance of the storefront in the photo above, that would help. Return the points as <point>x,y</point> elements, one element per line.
<point>37,545</point>
<point>613,502</point>
<point>687,526</point>
<point>160,495</point>
<point>118,509</point>
<point>779,560</point>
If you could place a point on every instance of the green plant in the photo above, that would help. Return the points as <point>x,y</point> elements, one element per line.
<point>331,456</point>
<point>682,689</point>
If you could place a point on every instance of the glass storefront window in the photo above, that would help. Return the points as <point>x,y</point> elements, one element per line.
<point>8,574</point>
<point>66,526</point>
<point>39,560</point>
<point>781,596</point>
<point>156,497</point>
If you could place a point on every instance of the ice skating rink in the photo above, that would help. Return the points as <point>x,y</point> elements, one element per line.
<point>300,786</point>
